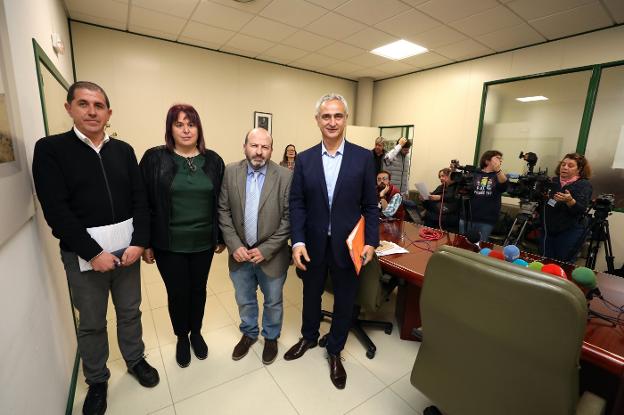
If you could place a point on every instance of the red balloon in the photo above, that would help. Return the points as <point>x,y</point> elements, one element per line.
<point>497,254</point>
<point>556,270</point>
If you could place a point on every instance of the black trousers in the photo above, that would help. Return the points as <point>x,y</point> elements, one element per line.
<point>185,276</point>
<point>345,283</point>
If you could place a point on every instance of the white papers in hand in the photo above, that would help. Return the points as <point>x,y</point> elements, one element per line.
<point>110,237</point>
<point>389,248</point>
<point>422,190</point>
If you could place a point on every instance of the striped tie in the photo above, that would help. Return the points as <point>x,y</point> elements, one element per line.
<point>251,211</point>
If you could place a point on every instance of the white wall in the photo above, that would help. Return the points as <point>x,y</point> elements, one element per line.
<point>444,104</point>
<point>144,76</point>
<point>39,344</point>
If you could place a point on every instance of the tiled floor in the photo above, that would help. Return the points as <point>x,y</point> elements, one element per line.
<point>219,385</point>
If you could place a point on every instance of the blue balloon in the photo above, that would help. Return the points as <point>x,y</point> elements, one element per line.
<point>485,251</point>
<point>521,262</point>
<point>511,253</point>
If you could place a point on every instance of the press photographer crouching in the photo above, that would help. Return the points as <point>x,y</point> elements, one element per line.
<point>482,205</point>
<point>563,213</point>
<point>389,196</point>
<point>442,205</point>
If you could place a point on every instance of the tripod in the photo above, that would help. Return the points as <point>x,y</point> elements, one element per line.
<point>520,223</point>
<point>598,230</point>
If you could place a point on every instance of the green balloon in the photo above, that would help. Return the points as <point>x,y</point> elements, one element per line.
<point>536,265</point>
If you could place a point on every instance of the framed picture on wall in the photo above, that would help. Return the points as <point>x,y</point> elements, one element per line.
<point>263,120</point>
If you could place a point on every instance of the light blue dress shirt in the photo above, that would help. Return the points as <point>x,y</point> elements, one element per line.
<point>331,168</point>
<point>250,171</point>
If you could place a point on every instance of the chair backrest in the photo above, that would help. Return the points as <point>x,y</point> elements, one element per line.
<point>498,338</point>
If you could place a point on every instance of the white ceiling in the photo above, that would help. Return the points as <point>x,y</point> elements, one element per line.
<point>334,36</point>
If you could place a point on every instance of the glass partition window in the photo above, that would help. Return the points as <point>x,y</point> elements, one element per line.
<point>605,144</point>
<point>548,126</point>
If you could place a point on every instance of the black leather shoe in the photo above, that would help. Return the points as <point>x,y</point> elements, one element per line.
<point>95,402</point>
<point>337,372</point>
<point>200,348</point>
<point>299,349</point>
<point>183,351</point>
<point>145,374</point>
<point>269,353</point>
<point>241,349</point>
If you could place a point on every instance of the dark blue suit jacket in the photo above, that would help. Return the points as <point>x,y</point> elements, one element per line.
<point>355,194</point>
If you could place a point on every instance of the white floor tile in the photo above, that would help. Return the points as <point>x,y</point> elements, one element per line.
<point>165,411</point>
<point>306,382</point>
<point>125,395</point>
<point>410,394</point>
<point>386,402</point>
<point>216,369</point>
<point>149,335</point>
<point>261,395</point>
<point>150,274</point>
<point>219,277</point>
<point>157,294</point>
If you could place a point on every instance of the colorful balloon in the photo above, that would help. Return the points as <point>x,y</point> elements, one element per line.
<point>536,265</point>
<point>521,262</point>
<point>556,270</point>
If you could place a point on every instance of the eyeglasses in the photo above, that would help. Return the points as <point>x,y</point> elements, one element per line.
<point>191,166</point>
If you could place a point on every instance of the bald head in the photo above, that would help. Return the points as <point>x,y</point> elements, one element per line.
<point>258,147</point>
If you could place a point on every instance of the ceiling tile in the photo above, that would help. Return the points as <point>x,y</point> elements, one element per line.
<point>533,9</point>
<point>409,23</point>
<point>426,60</point>
<point>395,68</point>
<point>464,49</point>
<point>414,3</point>
<point>616,8</point>
<point>313,60</point>
<point>284,53</point>
<point>107,9</point>
<point>343,68</point>
<point>511,38</point>
<point>153,32</point>
<point>451,10</point>
<point>371,11</point>
<point>149,19</point>
<point>239,52</point>
<point>267,29</point>
<point>221,16</point>
<point>438,37</point>
<point>328,4</point>
<point>370,39</point>
<point>208,34</point>
<point>307,41</point>
<point>368,59</point>
<point>293,12</point>
<point>340,51</point>
<point>335,26</point>
<point>201,43</point>
<point>102,21</point>
<point>248,43</point>
<point>254,7</point>
<point>583,18</point>
<point>179,8</point>
<point>488,21</point>
<point>369,73</point>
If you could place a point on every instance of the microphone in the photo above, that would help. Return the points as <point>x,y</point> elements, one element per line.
<point>511,252</point>
<point>586,279</point>
<point>474,237</point>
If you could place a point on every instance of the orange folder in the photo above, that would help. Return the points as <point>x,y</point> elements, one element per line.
<point>355,243</point>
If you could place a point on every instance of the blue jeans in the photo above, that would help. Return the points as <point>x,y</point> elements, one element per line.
<point>246,280</point>
<point>484,229</point>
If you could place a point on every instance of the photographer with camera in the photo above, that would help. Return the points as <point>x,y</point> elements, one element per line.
<point>482,210</point>
<point>397,163</point>
<point>563,214</point>
<point>444,199</point>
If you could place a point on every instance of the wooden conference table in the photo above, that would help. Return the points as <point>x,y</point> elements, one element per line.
<point>602,354</point>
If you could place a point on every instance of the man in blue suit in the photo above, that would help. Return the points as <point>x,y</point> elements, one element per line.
<point>333,185</point>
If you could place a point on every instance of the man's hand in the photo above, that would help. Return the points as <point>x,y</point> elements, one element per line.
<point>384,191</point>
<point>367,254</point>
<point>402,141</point>
<point>298,253</point>
<point>131,255</point>
<point>104,262</point>
<point>148,256</point>
<point>255,256</point>
<point>219,248</point>
<point>241,254</point>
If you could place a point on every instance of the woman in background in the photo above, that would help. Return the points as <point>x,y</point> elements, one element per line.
<point>183,180</point>
<point>443,197</point>
<point>290,154</point>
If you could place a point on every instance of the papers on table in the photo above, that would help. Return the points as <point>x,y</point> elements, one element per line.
<point>389,248</point>
<point>111,238</point>
<point>422,190</point>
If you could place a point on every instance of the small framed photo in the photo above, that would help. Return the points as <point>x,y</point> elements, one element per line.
<point>263,120</point>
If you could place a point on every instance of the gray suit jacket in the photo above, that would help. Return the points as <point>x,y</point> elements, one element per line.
<point>273,216</point>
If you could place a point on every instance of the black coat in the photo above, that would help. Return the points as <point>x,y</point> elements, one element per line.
<point>159,169</point>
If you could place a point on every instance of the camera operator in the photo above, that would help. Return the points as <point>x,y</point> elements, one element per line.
<point>562,216</point>
<point>483,208</point>
<point>397,163</point>
<point>389,197</point>
<point>444,197</point>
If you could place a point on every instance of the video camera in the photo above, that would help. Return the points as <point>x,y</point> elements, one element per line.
<point>602,205</point>
<point>463,177</point>
<point>532,187</point>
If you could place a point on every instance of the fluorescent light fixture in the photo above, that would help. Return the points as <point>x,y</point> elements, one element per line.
<point>398,50</point>
<point>531,99</point>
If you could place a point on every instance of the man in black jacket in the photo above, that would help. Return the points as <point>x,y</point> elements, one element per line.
<point>86,180</point>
